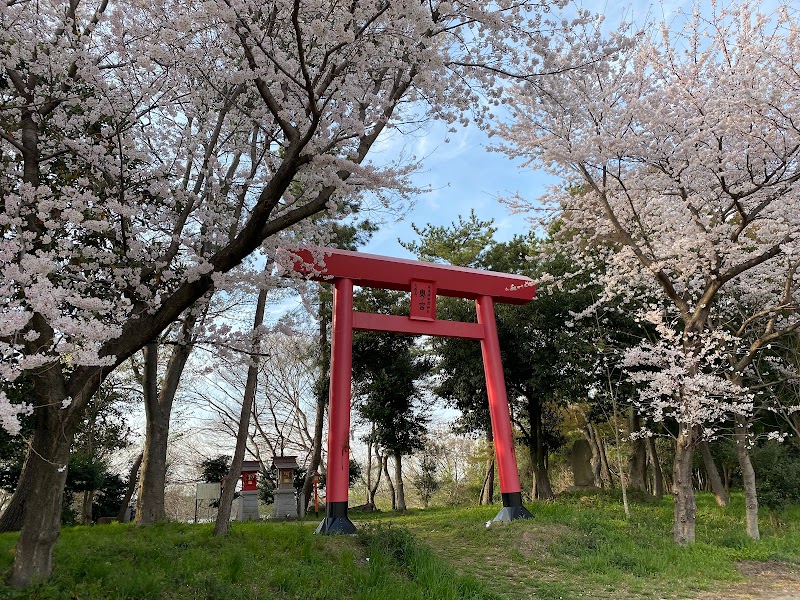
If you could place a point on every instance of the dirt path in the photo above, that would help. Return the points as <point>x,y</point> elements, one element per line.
<point>765,581</point>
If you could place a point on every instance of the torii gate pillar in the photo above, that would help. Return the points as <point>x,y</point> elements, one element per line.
<point>338,471</point>
<point>424,281</point>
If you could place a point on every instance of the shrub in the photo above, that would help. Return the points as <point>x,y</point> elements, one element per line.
<point>777,468</point>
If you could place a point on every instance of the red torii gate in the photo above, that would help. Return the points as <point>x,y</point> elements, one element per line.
<point>425,281</point>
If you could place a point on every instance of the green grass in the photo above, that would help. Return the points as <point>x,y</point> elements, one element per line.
<point>256,560</point>
<point>578,547</point>
<point>582,546</point>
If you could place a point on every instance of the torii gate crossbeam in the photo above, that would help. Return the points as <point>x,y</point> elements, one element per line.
<point>425,281</point>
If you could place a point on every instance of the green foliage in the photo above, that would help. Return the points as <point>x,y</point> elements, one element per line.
<point>426,480</point>
<point>354,472</point>
<point>104,429</point>
<point>102,432</point>
<point>214,470</point>
<point>543,360</point>
<point>464,243</point>
<point>84,473</point>
<point>266,486</point>
<point>777,468</point>
<point>108,497</point>
<point>14,447</point>
<point>386,371</point>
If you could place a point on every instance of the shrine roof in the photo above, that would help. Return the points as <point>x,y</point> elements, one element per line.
<point>371,270</point>
<point>285,462</point>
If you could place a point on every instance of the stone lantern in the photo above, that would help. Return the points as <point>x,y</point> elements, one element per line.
<point>285,498</point>
<point>248,499</point>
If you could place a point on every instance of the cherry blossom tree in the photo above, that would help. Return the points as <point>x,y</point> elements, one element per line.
<point>680,157</point>
<point>148,149</point>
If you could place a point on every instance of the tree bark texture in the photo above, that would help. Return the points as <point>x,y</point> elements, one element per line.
<point>373,488</point>
<point>369,469</point>
<point>748,477</point>
<point>46,466</point>
<point>588,433</point>
<point>322,392</point>
<point>389,480</point>
<point>542,489</point>
<point>229,483</point>
<point>44,473</point>
<point>717,487</point>
<point>487,490</point>
<point>158,410</point>
<point>133,477</point>
<point>605,470</point>
<point>150,500</point>
<point>685,509</point>
<point>398,478</point>
<point>658,475</point>
<point>86,507</point>
<point>11,519</point>
<point>637,459</point>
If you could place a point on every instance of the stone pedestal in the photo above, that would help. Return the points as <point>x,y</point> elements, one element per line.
<point>285,504</point>
<point>248,506</point>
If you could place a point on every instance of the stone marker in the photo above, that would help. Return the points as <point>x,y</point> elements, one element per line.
<point>248,500</point>
<point>581,459</point>
<point>285,495</point>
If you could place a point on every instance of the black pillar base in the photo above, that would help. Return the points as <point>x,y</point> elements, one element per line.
<point>336,520</point>
<point>512,509</point>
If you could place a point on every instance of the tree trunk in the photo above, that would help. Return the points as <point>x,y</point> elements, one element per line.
<point>373,490</point>
<point>89,450</point>
<point>389,480</point>
<point>487,490</point>
<point>46,466</point>
<point>685,509</point>
<point>398,478</point>
<point>658,475</point>
<point>748,477</point>
<point>150,501</point>
<point>717,487</point>
<point>158,410</point>
<point>322,393</point>
<point>542,489</point>
<point>11,519</point>
<point>369,468</point>
<point>229,483</point>
<point>86,507</point>
<point>637,460</point>
<point>45,470</point>
<point>605,470</point>
<point>588,433</point>
<point>133,476</point>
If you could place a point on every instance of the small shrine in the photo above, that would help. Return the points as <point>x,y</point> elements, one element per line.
<point>248,499</point>
<point>285,497</point>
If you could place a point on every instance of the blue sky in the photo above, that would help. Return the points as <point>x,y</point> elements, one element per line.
<point>464,175</point>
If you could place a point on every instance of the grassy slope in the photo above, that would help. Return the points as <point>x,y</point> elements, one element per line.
<point>578,547</point>
<point>583,547</point>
